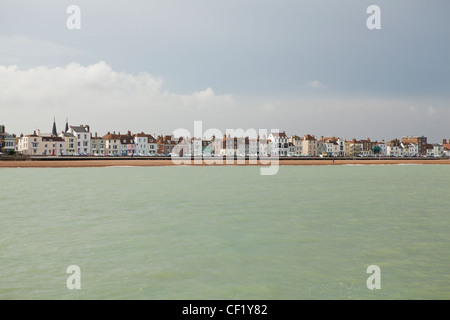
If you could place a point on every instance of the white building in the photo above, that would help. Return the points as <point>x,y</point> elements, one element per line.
<point>332,148</point>
<point>438,150</point>
<point>341,143</point>
<point>395,148</point>
<point>383,148</point>
<point>253,147</point>
<point>145,144</point>
<point>230,146</point>
<point>53,146</point>
<point>36,145</point>
<point>71,143</point>
<point>292,152</point>
<point>410,149</point>
<point>240,146</point>
<point>10,142</point>
<point>446,150</point>
<point>29,144</point>
<point>83,136</point>
<point>446,147</point>
<point>278,144</point>
<point>297,143</point>
<point>263,147</point>
<point>195,147</point>
<point>219,146</point>
<point>235,146</point>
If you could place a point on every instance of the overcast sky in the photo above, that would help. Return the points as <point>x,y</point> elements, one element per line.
<point>294,65</point>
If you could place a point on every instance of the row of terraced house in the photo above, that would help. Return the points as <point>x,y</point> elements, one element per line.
<point>79,140</point>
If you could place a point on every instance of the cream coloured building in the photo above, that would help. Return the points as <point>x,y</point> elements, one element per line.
<point>71,143</point>
<point>36,145</point>
<point>112,144</point>
<point>309,146</point>
<point>30,144</point>
<point>97,145</point>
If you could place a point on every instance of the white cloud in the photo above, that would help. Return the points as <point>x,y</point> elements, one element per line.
<point>108,100</point>
<point>315,84</point>
<point>99,96</point>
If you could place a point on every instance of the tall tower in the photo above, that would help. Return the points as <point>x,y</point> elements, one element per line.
<point>54,132</point>
<point>67,126</point>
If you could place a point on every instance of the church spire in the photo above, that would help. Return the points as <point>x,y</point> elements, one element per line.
<point>54,132</point>
<point>67,126</point>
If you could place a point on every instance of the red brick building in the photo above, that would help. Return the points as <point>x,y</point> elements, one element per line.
<point>166,144</point>
<point>420,141</point>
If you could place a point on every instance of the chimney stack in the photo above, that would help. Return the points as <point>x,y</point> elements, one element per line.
<point>444,141</point>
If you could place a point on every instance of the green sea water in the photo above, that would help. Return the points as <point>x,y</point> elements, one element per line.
<point>309,232</point>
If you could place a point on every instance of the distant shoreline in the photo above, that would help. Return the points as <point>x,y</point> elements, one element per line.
<point>130,162</point>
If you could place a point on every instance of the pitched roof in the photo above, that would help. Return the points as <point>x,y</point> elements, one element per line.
<point>80,128</point>
<point>279,134</point>
<point>126,139</point>
<point>140,135</point>
<point>309,137</point>
<point>329,139</point>
<point>111,136</point>
<point>170,140</point>
<point>67,135</point>
<point>393,143</point>
<point>149,137</point>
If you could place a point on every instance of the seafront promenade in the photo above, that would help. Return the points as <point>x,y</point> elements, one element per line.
<point>66,162</point>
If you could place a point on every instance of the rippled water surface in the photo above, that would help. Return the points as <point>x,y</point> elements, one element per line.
<point>309,232</point>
